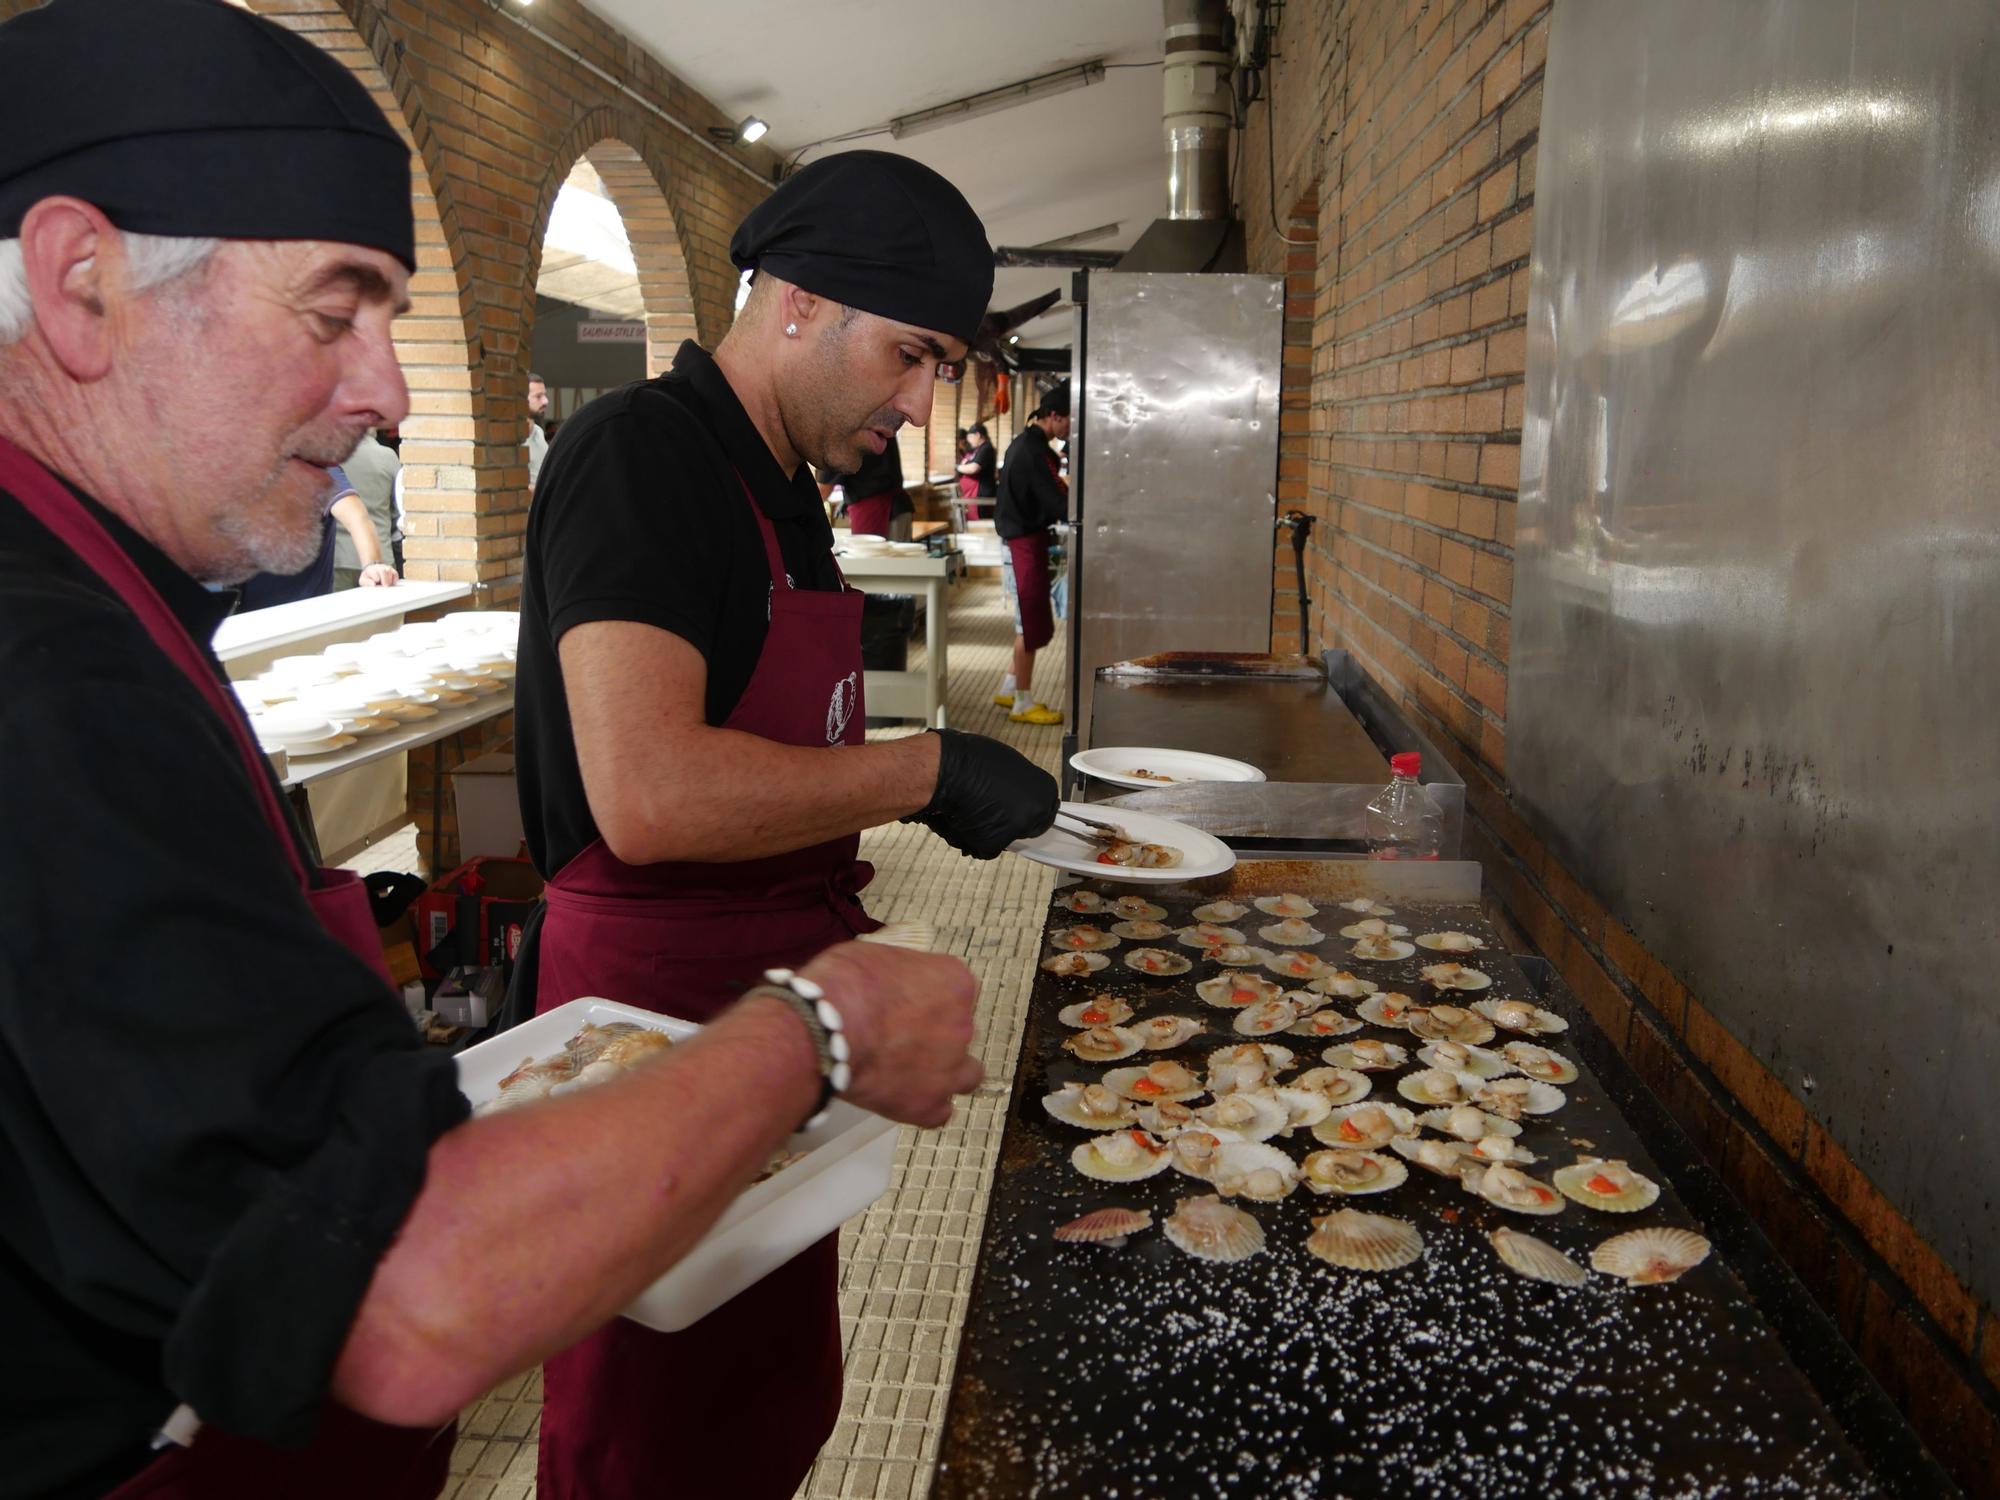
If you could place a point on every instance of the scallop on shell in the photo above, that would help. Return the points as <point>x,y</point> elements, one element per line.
<point>1364,1127</point>
<point>1304,1108</point>
<point>1078,965</point>
<point>1294,932</point>
<point>1081,901</point>
<point>1373,927</point>
<point>1297,965</point>
<point>1246,1065</point>
<point>1437,1086</point>
<point>1194,1151</point>
<point>1167,1119</point>
<point>1520,1015</point>
<point>1455,977</point>
<point>1365,1242</point>
<point>1290,904</point>
<point>1142,930</point>
<point>1220,913</point>
<point>1123,1156</point>
<point>1450,942</point>
<point>1462,1057</point>
<point>1165,1080</point>
<point>1352,1172</point>
<point>1339,1085</point>
<point>1089,1106</point>
<point>1648,1257</point>
<point>1249,1169</point>
<point>1154,961</point>
<point>1101,1044</point>
<point>1235,988</point>
<point>1248,1116</point>
<point>1609,1185</point>
<point>1382,950</point>
<point>1240,955</point>
<point>1206,935</point>
<point>1366,1055</point>
<point>1158,1033</point>
<point>1446,1158</point>
<point>1209,1229</point>
<point>1535,1259</point>
<point>1098,1010</point>
<point>1138,909</point>
<point>1386,1009</point>
<point>1467,1122</point>
<point>1109,1227</point>
<point>1265,1017</point>
<point>1084,939</point>
<point>1449,1023</point>
<point>1539,1062</point>
<point>1506,1187</point>
<point>1343,985</point>
<point>1324,1023</point>
<point>1513,1097</point>
<point>1362,906</point>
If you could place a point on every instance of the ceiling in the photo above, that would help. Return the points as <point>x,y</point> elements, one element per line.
<point>1040,171</point>
<point>586,257</point>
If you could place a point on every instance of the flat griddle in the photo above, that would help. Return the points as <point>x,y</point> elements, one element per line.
<point>1140,1372</point>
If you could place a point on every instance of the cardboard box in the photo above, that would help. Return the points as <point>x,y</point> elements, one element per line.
<point>489,812</point>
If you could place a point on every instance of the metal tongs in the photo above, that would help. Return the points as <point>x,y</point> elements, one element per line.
<point>1092,831</point>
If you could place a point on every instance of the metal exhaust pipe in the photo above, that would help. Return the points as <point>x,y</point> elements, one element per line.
<point>1198,109</point>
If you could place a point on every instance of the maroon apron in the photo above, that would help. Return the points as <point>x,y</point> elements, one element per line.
<point>740,1403</point>
<point>350,1454</point>
<point>871,515</point>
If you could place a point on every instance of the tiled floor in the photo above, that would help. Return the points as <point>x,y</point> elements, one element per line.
<point>907,1262</point>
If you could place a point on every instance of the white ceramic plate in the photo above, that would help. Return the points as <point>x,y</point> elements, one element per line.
<point>1116,763</point>
<point>1202,854</point>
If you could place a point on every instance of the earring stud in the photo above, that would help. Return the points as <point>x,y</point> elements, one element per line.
<point>791,330</point>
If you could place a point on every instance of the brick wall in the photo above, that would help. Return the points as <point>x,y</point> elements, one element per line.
<point>1413,125</point>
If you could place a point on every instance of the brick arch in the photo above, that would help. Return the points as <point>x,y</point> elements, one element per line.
<point>446,403</point>
<point>604,136</point>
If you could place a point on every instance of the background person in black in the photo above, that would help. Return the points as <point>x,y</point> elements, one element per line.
<point>877,504</point>
<point>1032,499</point>
<point>979,463</point>
<point>230,1177</point>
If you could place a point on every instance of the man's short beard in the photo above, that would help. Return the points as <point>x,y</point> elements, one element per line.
<point>261,540</point>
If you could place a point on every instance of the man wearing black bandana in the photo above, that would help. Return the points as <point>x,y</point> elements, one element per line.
<point>692,769</point>
<point>249,1243</point>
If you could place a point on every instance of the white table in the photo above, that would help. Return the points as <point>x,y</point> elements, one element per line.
<point>909,695</point>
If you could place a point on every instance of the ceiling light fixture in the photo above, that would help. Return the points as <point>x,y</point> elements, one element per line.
<point>746,132</point>
<point>992,101</point>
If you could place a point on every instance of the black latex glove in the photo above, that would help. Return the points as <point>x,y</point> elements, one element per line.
<point>987,795</point>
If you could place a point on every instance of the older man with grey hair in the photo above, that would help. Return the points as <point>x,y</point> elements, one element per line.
<point>251,1244</point>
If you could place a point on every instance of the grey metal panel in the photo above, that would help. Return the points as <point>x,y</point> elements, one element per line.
<point>1179,443</point>
<point>1757,608</point>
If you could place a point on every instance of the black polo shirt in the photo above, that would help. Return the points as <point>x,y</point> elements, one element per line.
<point>213,1117</point>
<point>1031,498</point>
<point>641,515</point>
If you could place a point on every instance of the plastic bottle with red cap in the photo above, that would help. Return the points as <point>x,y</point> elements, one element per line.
<point>1401,822</point>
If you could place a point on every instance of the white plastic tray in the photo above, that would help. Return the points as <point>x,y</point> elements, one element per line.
<point>846,1168</point>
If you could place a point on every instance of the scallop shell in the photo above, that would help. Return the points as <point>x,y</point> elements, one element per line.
<point>1364,907</point>
<point>1138,909</point>
<point>1373,927</point>
<point>1294,932</point>
<point>1535,1259</point>
<point>1352,1173</point>
<point>1366,1056</point>
<point>1235,988</point>
<point>1156,961</point>
<point>1101,1044</point>
<point>1142,931</point>
<point>1194,1150</point>
<point>1109,1227</point>
<point>1158,1033</point>
<point>1082,939</point>
<point>634,1047</point>
<point>1240,955</point>
<point>1304,1108</point>
<point>1098,1010</point>
<point>1220,913</point>
<point>1365,1242</point>
<point>919,937</point>
<point>1353,1127</point>
<point>1077,965</point>
<point>1297,965</point>
<point>1448,1023</point>
<point>1461,1057</point>
<point>1206,935</point>
<point>1520,1016</point>
<point>1382,950</point>
<point>1649,1257</point>
<point>1324,1023</point>
<point>1245,1065</point>
<point>1083,902</point>
<point>1514,1190</point>
<point>1248,1169</point>
<point>1451,1159</point>
<point>1386,1009</point>
<point>1209,1229</point>
<point>1265,1017</point>
<point>1339,1085</point>
<point>1166,1119</point>
<point>1437,1086</point>
<point>1070,1105</point>
<point>1455,977</point>
<point>1451,942</point>
<point>1165,1080</point>
<point>1636,1192</point>
<point>1539,1062</point>
<point>1124,1156</point>
<point>1502,1148</point>
<point>587,1045</point>
<point>1344,985</point>
<point>1441,1121</point>
<point>1290,904</point>
<point>1503,1097</point>
<point>1249,1116</point>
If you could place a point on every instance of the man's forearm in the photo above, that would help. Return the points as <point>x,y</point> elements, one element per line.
<point>535,1226</point>
<point>352,514</point>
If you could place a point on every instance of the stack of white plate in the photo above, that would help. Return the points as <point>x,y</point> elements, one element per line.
<point>299,733</point>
